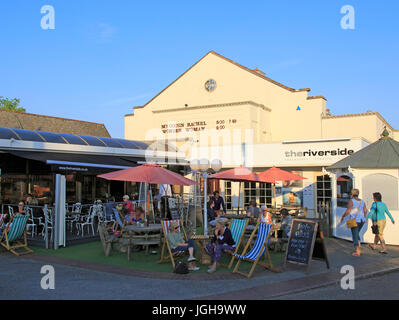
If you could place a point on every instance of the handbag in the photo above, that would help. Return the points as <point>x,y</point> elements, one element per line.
<point>181,268</point>
<point>374,227</point>
<point>351,223</point>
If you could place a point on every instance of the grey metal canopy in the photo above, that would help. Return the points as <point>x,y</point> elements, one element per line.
<point>383,154</point>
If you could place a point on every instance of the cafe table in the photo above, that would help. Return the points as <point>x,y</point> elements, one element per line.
<point>201,241</point>
<point>140,235</point>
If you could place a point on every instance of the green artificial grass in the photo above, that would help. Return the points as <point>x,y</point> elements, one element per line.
<point>93,252</point>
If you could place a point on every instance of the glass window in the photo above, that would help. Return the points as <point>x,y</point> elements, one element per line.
<point>111,142</point>
<point>13,187</point>
<point>51,137</point>
<point>6,133</point>
<point>344,188</point>
<point>323,184</point>
<point>93,141</point>
<point>265,194</point>
<point>28,135</point>
<point>41,187</point>
<point>101,189</point>
<point>87,189</point>
<point>73,139</point>
<point>227,195</point>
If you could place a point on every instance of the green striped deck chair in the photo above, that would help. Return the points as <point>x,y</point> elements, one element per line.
<point>166,246</point>
<point>263,232</point>
<point>237,228</point>
<point>12,234</point>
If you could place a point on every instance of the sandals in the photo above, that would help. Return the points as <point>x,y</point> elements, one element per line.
<point>383,252</point>
<point>355,254</point>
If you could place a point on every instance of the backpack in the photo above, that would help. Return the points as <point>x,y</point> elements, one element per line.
<point>181,268</point>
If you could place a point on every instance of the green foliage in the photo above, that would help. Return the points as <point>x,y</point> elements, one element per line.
<point>11,104</point>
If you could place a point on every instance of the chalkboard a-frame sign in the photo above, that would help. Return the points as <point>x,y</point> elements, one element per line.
<point>305,243</point>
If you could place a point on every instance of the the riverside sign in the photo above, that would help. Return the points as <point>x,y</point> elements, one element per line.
<point>320,153</point>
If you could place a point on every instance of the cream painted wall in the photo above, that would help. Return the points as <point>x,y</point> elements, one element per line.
<point>234,84</point>
<point>344,127</point>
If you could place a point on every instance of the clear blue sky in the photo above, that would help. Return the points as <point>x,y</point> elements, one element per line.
<point>104,57</point>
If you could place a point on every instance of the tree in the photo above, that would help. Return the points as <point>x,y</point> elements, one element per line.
<point>10,104</point>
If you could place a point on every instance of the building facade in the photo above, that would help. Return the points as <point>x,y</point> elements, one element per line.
<point>221,109</point>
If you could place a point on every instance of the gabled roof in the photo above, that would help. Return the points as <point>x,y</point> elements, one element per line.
<point>382,154</point>
<point>253,71</point>
<point>30,121</point>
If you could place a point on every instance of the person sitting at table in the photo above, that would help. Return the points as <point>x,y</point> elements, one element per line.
<point>177,244</point>
<point>264,215</point>
<point>127,208</point>
<point>219,202</point>
<point>21,208</point>
<point>138,214</point>
<point>222,240</point>
<point>253,210</point>
<point>211,211</point>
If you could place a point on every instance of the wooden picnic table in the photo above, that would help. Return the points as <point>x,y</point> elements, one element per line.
<point>142,236</point>
<point>201,240</point>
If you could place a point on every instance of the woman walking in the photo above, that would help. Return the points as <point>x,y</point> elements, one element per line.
<point>377,215</point>
<point>357,211</point>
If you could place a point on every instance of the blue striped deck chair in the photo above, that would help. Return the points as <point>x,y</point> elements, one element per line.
<point>264,232</point>
<point>11,235</point>
<point>118,220</point>
<point>237,228</point>
<point>166,246</point>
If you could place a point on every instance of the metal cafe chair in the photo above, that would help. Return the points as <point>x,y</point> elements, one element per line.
<point>48,221</point>
<point>88,220</point>
<point>31,222</point>
<point>11,211</point>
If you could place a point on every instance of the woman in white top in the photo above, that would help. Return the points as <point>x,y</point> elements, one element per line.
<point>356,210</point>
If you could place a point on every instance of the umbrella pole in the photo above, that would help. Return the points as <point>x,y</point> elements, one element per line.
<point>239,197</point>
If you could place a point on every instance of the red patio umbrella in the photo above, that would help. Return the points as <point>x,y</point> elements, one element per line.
<point>274,174</point>
<point>149,173</point>
<point>237,174</point>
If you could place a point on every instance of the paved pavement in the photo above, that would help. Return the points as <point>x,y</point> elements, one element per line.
<point>381,287</point>
<point>20,278</point>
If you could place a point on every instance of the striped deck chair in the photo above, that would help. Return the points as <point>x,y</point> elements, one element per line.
<point>2,216</point>
<point>13,232</point>
<point>264,232</point>
<point>165,245</point>
<point>237,228</point>
<point>118,220</point>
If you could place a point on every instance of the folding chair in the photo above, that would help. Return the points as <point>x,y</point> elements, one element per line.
<point>2,216</point>
<point>107,240</point>
<point>13,232</point>
<point>237,228</point>
<point>264,232</point>
<point>165,227</point>
<point>119,220</point>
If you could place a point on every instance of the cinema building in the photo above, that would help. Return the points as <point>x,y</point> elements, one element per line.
<point>219,109</point>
